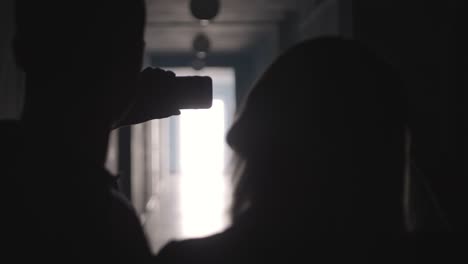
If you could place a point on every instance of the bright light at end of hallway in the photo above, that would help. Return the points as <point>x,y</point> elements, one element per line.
<point>202,139</point>
<point>203,188</point>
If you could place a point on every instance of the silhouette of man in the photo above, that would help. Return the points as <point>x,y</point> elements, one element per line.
<point>82,63</point>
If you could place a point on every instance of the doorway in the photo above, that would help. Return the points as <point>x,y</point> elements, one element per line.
<point>193,197</point>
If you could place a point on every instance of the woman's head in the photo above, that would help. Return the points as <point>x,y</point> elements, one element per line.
<point>317,125</point>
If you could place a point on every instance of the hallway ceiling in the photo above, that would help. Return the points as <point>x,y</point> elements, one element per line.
<point>171,27</point>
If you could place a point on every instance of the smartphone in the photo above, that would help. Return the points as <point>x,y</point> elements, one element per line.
<point>193,92</point>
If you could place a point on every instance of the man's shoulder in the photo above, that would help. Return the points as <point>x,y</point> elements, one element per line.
<point>9,124</point>
<point>11,147</point>
<point>10,132</point>
<point>210,249</point>
<point>120,203</point>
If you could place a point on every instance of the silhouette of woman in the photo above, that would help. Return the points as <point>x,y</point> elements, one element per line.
<point>320,147</point>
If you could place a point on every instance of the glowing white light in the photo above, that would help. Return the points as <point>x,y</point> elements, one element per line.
<point>202,139</point>
<point>202,186</point>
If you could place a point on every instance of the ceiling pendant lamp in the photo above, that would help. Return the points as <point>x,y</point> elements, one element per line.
<point>204,10</point>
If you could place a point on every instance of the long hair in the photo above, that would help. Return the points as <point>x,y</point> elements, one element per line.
<point>314,132</point>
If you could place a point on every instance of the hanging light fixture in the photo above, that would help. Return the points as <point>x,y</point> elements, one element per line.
<point>201,55</point>
<point>201,43</point>
<point>205,10</point>
<point>201,46</point>
<point>198,64</point>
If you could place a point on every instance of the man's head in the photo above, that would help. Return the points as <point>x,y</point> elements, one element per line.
<point>81,57</point>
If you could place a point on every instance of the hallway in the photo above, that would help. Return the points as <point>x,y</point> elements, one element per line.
<point>189,206</point>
